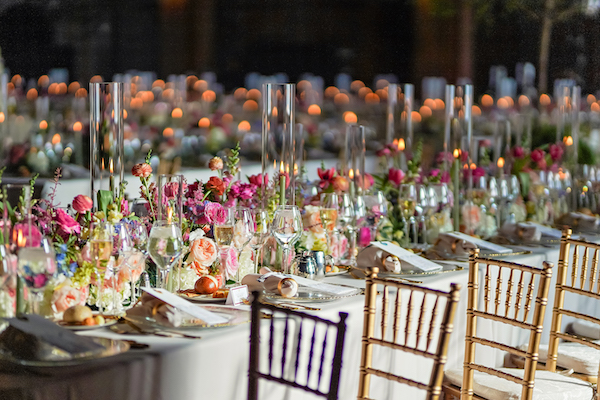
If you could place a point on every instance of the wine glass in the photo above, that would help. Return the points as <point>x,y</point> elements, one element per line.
<point>165,246</point>
<point>347,222</point>
<point>37,265</point>
<point>139,237</point>
<point>101,247</point>
<point>287,229</point>
<point>223,232</point>
<point>329,214</point>
<point>260,220</point>
<point>408,204</point>
<point>243,228</point>
<point>124,251</point>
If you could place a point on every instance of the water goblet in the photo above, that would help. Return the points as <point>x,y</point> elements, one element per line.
<point>101,247</point>
<point>260,233</point>
<point>408,203</point>
<point>165,246</point>
<point>329,215</point>
<point>287,229</point>
<point>37,265</point>
<point>243,228</point>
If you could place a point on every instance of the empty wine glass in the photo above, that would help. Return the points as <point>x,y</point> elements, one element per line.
<point>347,223</point>
<point>37,265</point>
<point>123,250</point>
<point>260,234</point>
<point>101,247</point>
<point>408,204</point>
<point>137,263</point>
<point>165,246</point>
<point>287,229</point>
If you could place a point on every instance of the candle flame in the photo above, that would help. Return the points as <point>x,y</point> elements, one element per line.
<point>169,214</point>
<point>351,173</point>
<point>20,239</point>
<point>473,166</point>
<point>500,162</point>
<point>401,145</point>
<point>568,140</point>
<point>456,153</point>
<point>110,166</point>
<point>281,167</point>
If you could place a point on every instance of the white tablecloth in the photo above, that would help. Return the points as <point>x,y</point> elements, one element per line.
<point>216,366</point>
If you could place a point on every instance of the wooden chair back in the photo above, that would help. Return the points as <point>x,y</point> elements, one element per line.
<point>509,304</point>
<point>573,277</point>
<point>427,328</point>
<point>285,370</point>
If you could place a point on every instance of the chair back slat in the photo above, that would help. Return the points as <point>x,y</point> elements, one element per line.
<point>486,289</point>
<point>408,327</point>
<point>509,296</point>
<point>519,296</point>
<point>384,311</point>
<point>327,381</point>
<point>593,272</point>
<point>421,321</point>
<point>530,319</point>
<point>432,342</point>
<point>556,330</point>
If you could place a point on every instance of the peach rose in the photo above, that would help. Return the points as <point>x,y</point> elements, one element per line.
<point>204,250</point>
<point>65,296</point>
<point>312,219</point>
<point>200,269</point>
<point>215,163</point>
<point>82,203</point>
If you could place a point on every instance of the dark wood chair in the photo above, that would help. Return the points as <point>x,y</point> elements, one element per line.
<point>287,366</point>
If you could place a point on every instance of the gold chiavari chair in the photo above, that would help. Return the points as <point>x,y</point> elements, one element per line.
<point>423,337</point>
<point>574,278</point>
<point>526,288</point>
<point>290,358</point>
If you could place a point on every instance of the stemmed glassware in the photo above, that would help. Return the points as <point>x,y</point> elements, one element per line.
<point>223,232</point>
<point>123,250</point>
<point>329,215</point>
<point>376,209</point>
<point>139,238</point>
<point>260,233</point>
<point>243,229</point>
<point>287,229</point>
<point>408,203</point>
<point>101,247</point>
<point>165,246</point>
<point>37,265</point>
<point>346,223</point>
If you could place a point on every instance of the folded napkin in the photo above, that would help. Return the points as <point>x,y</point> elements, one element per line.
<point>579,221</point>
<point>271,282</point>
<point>373,256</point>
<point>448,244</point>
<point>161,312</point>
<point>521,231</point>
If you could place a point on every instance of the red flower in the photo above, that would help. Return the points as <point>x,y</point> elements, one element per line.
<point>258,180</point>
<point>396,176</point>
<point>66,222</point>
<point>82,204</point>
<point>556,152</point>
<point>518,152</point>
<point>141,170</point>
<point>216,185</point>
<point>326,176</point>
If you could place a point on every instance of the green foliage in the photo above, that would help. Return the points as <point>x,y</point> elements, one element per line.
<point>586,155</point>
<point>233,160</point>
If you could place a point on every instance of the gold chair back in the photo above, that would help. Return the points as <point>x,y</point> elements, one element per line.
<point>285,369</point>
<point>509,304</point>
<point>576,276</point>
<point>421,343</point>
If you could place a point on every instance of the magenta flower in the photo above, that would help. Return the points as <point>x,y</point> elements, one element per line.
<point>396,176</point>
<point>215,213</point>
<point>171,190</point>
<point>364,237</point>
<point>444,156</point>
<point>257,180</point>
<point>23,228</point>
<point>518,152</point>
<point>478,172</point>
<point>537,155</point>
<point>66,223</point>
<point>326,176</point>
<point>39,281</point>
<point>445,177</point>
<point>383,152</point>
<point>556,152</point>
<point>82,203</point>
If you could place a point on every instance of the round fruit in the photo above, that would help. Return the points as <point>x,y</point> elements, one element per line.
<point>99,320</point>
<point>89,321</point>
<point>77,313</point>
<point>206,285</point>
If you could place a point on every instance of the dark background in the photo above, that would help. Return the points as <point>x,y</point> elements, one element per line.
<point>410,39</point>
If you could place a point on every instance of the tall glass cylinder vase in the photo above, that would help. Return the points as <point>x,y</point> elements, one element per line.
<point>448,117</point>
<point>392,102</point>
<point>106,141</point>
<point>278,140</point>
<point>409,98</point>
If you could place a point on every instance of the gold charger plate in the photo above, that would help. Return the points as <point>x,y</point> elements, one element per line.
<point>234,317</point>
<point>309,295</point>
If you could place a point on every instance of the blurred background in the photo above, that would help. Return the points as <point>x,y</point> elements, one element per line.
<point>410,39</point>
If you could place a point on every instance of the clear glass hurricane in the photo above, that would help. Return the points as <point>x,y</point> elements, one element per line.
<point>287,229</point>
<point>165,246</point>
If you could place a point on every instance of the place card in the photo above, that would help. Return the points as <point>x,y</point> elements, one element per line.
<point>480,243</point>
<point>237,295</point>
<point>408,257</point>
<point>185,306</point>
<point>546,230</point>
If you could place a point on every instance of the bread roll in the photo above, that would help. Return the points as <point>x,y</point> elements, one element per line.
<point>77,313</point>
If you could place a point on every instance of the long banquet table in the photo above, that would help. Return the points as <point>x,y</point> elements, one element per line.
<point>216,366</point>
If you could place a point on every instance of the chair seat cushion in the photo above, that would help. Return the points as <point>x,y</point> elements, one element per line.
<point>584,328</point>
<point>548,385</point>
<point>582,359</point>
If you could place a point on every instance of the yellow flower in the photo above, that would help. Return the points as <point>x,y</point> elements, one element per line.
<point>114,217</point>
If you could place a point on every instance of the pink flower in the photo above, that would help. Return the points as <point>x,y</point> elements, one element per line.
<point>66,223</point>
<point>443,156</point>
<point>445,177</point>
<point>368,181</point>
<point>215,213</point>
<point>383,152</point>
<point>556,152</point>
<point>326,177</point>
<point>364,237</point>
<point>204,251</point>
<point>65,296</point>
<point>537,155</point>
<point>230,260</point>
<point>518,152</point>
<point>171,190</point>
<point>23,229</point>
<point>124,207</point>
<point>257,180</point>
<point>478,172</point>
<point>82,204</point>
<point>141,170</point>
<point>396,176</point>
<point>542,164</point>
<point>85,254</point>
<point>434,173</point>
